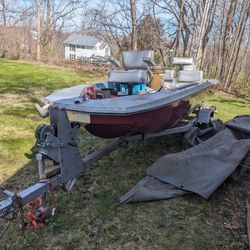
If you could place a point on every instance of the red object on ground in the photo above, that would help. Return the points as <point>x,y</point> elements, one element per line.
<point>36,216</point>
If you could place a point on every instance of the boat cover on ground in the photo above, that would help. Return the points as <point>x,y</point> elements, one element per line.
<point>200,169</point>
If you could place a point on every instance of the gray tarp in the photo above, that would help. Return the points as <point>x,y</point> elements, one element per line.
<point>200,169</point>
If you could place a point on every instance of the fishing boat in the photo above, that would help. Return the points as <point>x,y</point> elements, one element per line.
<point>136,99</point>
<point>134,104</point>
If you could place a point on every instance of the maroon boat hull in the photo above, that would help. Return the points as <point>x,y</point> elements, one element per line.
<point>108,126</point>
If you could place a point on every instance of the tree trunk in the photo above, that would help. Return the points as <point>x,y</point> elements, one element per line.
<point>195,31</point>
<point>219,54</point>
<point>134,25</point>
<point>49,33</point>
<point>38,40</point>
<point>4,29</point>
<point>4,13</point>
<point>180,26</point>
<point>226,36</point>
<point>237,44</point>
<point>202,34</point>
<point>48,14</point>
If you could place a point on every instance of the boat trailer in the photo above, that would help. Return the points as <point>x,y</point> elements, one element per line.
<point>57,144</point>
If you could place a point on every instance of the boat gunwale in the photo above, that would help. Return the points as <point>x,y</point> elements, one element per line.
<point>71,107</point>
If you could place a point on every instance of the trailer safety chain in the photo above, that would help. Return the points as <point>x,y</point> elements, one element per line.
<point>11,213</point>
<point>36,216</point>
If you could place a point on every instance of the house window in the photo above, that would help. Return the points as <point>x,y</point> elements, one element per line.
<point>80,46</point>
<point>72,47</point>
<point>72,56</point>
<point>88,47</point>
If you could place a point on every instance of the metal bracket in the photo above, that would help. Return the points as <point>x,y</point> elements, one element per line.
<point>205,114</point>
<point>61,147</point>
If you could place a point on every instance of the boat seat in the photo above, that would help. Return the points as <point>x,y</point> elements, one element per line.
<point>129,76</point>
<point>169,75</point>
<point>190,76</point>
<point>136,66</point>
<point>184,63</point>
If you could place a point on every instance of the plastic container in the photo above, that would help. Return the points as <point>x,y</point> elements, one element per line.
<point>136,88</point>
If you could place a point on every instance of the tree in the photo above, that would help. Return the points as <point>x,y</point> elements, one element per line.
<point>149,33</point>
<point>38,38</point>
<point>115,21</point>
<point>134,25</point>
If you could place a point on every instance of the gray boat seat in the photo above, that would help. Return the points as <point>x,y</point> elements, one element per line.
<point>136,70</point>
<point>190,76</point>
<point>134,59</point>
<point>169,75</point>
<point>185,63</point>
<point>129,76</point>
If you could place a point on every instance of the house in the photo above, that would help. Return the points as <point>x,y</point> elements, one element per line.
<point>82,47</point>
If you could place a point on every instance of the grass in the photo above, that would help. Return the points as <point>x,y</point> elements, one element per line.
<point>228,106</point>
<point>88,218</point>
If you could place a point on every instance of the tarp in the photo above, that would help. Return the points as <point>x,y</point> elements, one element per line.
<point>200,169</point>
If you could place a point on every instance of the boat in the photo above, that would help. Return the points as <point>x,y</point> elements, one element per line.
<point>137,99</point>
<point>135,104</point>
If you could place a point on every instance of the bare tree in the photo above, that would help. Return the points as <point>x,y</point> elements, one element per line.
<point>38,38</point>
<point>134,25</point>
<point>3,10</point>
<point>203,32</point>
<point>244,15</point>
<point>116,21</point>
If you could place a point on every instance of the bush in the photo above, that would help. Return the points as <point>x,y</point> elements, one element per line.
<point>242,85</point>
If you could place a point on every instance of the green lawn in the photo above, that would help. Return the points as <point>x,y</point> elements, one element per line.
<point>88,218</point>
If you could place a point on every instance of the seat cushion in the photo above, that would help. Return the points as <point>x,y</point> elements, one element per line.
<point>130,76</point>
<point>190,76</point>
<point>182,61</point>
<point>169,75</point>
<point>134,59</point>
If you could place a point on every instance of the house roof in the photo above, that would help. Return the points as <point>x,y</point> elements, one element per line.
<point>79,39</point>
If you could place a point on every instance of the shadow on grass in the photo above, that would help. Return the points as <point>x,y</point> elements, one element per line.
<point>232,102</point>
<point>26,176</point>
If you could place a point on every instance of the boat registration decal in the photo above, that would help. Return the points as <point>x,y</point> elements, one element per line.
<point>78,117</point>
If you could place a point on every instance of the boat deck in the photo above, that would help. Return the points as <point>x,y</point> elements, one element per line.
<point>127,104</point>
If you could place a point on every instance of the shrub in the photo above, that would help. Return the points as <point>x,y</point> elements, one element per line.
<point>242,85</point>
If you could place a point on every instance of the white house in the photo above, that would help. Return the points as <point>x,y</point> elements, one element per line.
<point>82,47</point>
